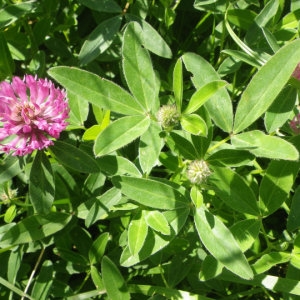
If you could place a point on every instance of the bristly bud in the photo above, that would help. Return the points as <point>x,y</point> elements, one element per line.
<point>168,116</point>
<point>295,124</point>
<point>198,171</point>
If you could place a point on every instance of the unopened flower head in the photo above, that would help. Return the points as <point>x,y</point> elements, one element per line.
<point>296,73</point>
<point>295,124</point>
<point>198,171</point>
<point>168,116</point>
<point>32,112</point>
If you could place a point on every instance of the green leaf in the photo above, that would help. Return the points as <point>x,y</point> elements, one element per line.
<point>34,228</point>
<point>152,39</point>
<point>138,69</point>
<point>219,105</point>
<point>262,145</point>
<point>79,110</point>
<point>6,62</point>
<point>219,241</point>
<point>276,185</point>
<point>269,260</point>
<point>149,147</point>
<point>12,13</point>
<point>41,184</point>
<point>109,6</point>
<point>230,157</point>
<point>117,165</point>
<point>194,124</point>
<point>96,90</point>
<point>113,280</point>
<point>210,268</point>
<point>10,166</point>
<point>203,94</point>
<point>98,247</point>
<point>43,282</point>
<point>181,142</point>
<point>120,133</point>
<point>265,16</point>
<point>155,242</point>
<point>293,221</point>
<point>100,39</point>
<point>246,232</point>
<point>137,232</point>
<point>265,85</point>
<point>79,160</point>
<point>157,221</point>
<point>10,213</point>
<point>233,190</point>
<point>97,208</point>
<point>178,83</point>
<point>281,109</point>
<point>242,18</point>
<point>150,193</point>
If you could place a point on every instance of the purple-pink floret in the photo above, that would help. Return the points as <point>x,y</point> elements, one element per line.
<point>296,73</point>
<point>295,124</point>
<point>32,112</point>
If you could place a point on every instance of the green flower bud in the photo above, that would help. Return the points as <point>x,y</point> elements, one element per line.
<point>168,116</point>
<point>198,171</point>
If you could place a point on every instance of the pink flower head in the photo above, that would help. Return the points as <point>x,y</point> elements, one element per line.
<point>295,124</point>
<point>32,111</point>
<point>296,73</point>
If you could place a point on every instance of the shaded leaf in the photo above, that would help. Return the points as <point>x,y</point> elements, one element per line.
<point>41,184</point>
<point>113,280</point>
<point>219,241</point>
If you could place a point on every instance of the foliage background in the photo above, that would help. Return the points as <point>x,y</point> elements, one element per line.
<point>109,211</point>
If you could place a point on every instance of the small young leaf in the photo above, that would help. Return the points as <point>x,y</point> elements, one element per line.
<point>219,241</point>
<point>219,105</point>
<point>178,83</point>
<point>203,94</point>
<point>113,280</point>
<point>262,145</point>
<point>10,214</point>
<point>120,133</point>
<point>137,232</point>
<point>194,124</point>
<point>157,221</point>
<point>41,184</point>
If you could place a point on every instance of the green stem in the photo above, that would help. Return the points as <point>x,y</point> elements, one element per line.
<point>218,144</point>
